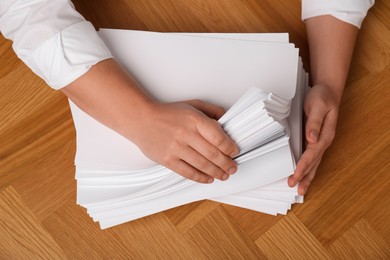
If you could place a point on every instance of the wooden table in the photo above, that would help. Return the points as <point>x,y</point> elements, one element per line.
<point>346,213</point>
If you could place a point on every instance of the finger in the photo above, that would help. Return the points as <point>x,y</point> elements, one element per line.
<point>189,172</point>
<point>328,130</point>
<point>222,161</point>
<point>211,110</point>
<point>307,159</point>
<point>317,152</point>
<point>306,181</point>
<point>202,164</point>
<point>214,134</point>
<point>315,119</point>
<point>294,180</point>
<point>307,162</point>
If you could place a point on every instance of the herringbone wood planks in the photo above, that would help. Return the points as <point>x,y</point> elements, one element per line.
<point>345,214</point>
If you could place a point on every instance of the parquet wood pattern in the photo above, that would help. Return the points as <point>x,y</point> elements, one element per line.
<point>346,214</point>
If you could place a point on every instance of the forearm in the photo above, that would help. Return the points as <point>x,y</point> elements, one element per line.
<point>331,43</point>
<point>111,96</point>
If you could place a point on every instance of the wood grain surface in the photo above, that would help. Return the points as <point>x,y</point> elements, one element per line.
<point>346,214</point>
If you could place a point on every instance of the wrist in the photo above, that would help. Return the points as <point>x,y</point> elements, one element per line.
<point>335,91</point>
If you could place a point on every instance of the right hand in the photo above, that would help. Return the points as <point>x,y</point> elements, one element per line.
<point>182,136</point>
<point>186,138</point>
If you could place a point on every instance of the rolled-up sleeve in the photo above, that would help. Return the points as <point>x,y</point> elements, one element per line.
<point>52,38</point>
<point>350,11</point>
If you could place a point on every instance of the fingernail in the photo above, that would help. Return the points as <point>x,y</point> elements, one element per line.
<point>234,154</point>
<point>225,177</point>
<point>314,135</point>
<point>232,170</point>
<point>210,180</point>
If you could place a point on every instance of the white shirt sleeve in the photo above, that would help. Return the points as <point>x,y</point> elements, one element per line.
<point>52,38</point>
<point>350,11</point>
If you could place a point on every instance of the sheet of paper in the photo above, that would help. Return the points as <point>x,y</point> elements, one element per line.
<point>168,65</point>
<point>275,38</point>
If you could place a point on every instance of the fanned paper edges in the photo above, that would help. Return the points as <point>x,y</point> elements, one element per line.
<point>256,122</point>
<point>256,119</point>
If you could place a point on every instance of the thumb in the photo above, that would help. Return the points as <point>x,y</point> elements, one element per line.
<point>315,119</point>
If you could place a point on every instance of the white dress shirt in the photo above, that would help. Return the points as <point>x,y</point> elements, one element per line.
<point>56,42</point>
<point>52,38</point>
<point>350,11</point>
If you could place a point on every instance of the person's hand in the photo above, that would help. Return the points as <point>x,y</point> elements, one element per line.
<point>182,136</point>
<point>321,109</point>
<point>186,138</point>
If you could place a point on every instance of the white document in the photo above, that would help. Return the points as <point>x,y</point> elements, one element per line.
<point>177,67</point>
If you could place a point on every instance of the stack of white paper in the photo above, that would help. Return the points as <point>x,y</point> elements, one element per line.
<point>117,183</point>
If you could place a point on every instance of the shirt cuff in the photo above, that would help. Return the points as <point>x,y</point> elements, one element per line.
<point>350,11</point>
<point>67,55</point>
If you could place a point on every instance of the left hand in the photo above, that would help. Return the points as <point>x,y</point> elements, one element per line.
<point>321,109</point>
